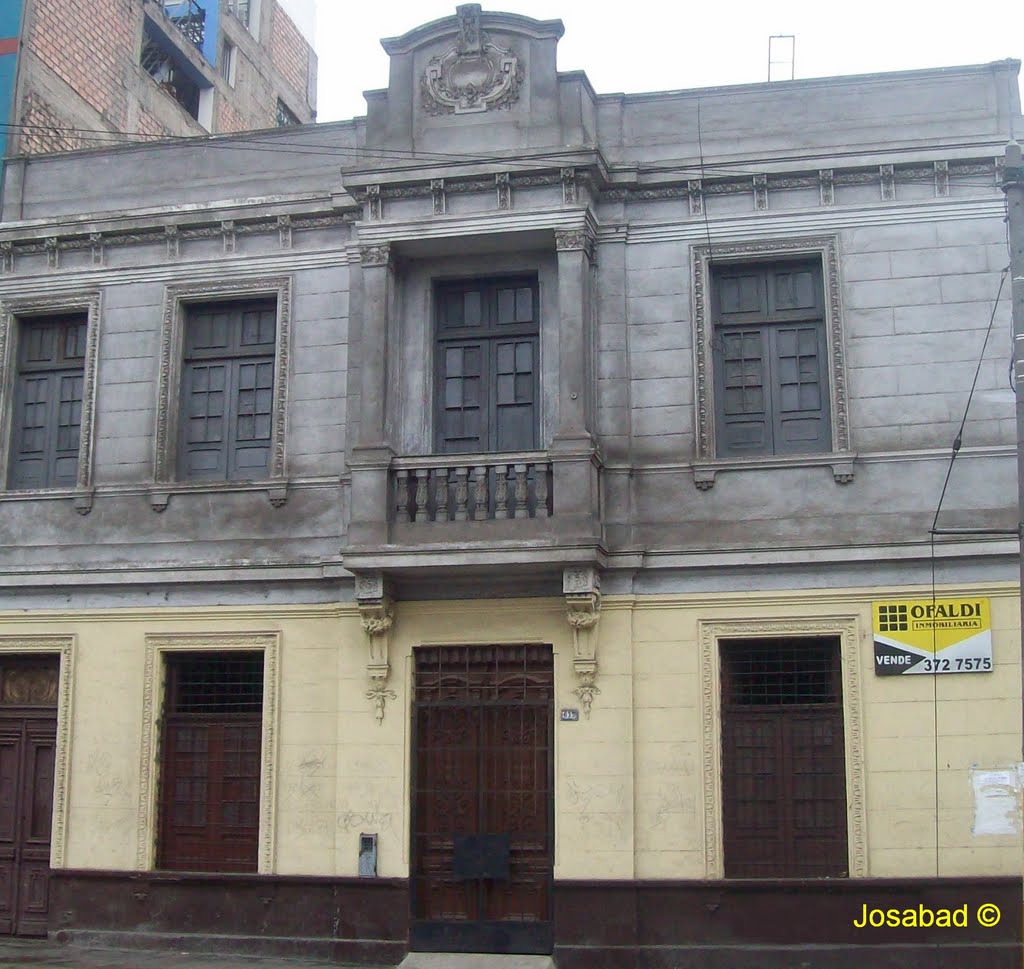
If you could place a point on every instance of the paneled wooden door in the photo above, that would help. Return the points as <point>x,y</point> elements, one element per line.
<point>28,732</point>
<point>482,810</point>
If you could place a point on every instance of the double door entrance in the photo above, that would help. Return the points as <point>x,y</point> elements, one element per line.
<point>28,731</point>
<point>482,809</point>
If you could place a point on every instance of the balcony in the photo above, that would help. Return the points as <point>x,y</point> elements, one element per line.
<point>482,487</point>
<point>483,511</point>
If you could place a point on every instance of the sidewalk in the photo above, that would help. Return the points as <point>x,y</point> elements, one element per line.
<point>41,954</point>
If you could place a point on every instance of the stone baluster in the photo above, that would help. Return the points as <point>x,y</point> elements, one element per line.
<point>480,493</point>
<point>401,495</point>
<point>540,483</point>
<point>501,491</point>
<point>461,494</point>
<point>422,490</point>
<point>441,495</point>
<point>521,492</point>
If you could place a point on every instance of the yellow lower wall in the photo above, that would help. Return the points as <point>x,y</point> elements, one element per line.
<point>636,791</point>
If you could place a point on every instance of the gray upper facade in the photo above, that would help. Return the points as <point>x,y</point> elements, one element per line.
<point>504,326</point>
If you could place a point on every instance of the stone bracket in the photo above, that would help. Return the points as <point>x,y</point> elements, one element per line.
<point>84,499</point>
<point>582,590</point>
<point>376,611</point>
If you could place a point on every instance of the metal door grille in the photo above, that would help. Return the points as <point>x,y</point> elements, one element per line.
<point>482,799</point>
<point>783,759</point>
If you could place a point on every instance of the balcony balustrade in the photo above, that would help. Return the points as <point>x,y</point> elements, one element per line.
<point>471,487</point>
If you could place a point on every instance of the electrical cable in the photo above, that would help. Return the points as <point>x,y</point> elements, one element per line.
<point>958,440</point>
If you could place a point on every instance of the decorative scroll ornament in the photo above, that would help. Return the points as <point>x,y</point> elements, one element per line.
<point>582,590</point>
<point>473,76</point>
<point>377,614</point>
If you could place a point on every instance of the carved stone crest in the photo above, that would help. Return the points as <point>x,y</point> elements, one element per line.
<point>475,75</point>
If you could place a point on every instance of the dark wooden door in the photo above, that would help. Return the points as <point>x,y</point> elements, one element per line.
<point>28,732</point>
<point>483,799</point>
<point>210,763</point>
<point>783,759</point>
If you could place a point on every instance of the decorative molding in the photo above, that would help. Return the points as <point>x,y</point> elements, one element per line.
<point>504,190</point>
<point>582,590</point>
<point>533,181</point>
<point>827,192</point>
<point>64,647</point>
<point>437,194</point>
<point>96,244</point>
<point>173,241</point>
<point>793,181</point>
<point>228,233</point>
<point>377,614</point>
<point>375,255</point>
<point>374,204</point>
<point>941,179</point>
<point>888,182</point>
<point>284,231</point>
<point>570,190</point>
<point>760,193</point>
<point>695,191</point>
<point>848,630</point>
<point>11,308</point>
<point>827,249</point>
<point>159,644</point>
<point>176,299</point>
<point>474,75</point>
<point>52,252</point>
<point>7,257</point>
<point>567,240</point>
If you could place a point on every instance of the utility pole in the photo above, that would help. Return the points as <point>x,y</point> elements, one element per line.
<point>1013,185</point>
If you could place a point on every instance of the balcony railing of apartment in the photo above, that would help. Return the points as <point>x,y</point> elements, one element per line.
<point>471,487</point>
<point>240,8</point>
<point>189,18</point>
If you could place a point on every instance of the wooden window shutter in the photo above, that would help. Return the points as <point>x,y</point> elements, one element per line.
<point>48,403</point>
<point>770,361</point>
<point>487,373</point>
<point>227,394</point>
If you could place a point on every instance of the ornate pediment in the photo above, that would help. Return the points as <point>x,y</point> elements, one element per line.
<point>474,75</point>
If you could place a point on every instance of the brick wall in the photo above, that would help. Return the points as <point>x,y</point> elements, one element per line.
<point>289,52</point>
<point>89,45</point>
<point>44,129</point>
<point>229,118</point>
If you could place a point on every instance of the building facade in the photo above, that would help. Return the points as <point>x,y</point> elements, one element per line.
<point>75,75</point>
<point>526,539</point>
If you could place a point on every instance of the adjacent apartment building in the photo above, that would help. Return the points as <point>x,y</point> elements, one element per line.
<point>76,75</point>
<point>507,522</point>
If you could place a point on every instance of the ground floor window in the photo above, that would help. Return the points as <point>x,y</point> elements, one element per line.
<point>783,759</point>
<point>210,762</point>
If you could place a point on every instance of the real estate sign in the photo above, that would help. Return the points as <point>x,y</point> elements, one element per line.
<point>932,636</point>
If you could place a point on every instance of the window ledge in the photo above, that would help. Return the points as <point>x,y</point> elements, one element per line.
<point>160,494</point>
<point>841,464</point>
<point>82,497</point>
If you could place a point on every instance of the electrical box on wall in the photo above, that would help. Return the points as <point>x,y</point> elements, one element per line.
<point>367,856</point>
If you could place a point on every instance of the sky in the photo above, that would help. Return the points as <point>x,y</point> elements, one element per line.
<point>646,46</point>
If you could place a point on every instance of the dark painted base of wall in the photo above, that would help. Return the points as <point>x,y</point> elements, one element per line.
<point>597,925</point>
<point>765,924</point>
<point>353,920</point>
